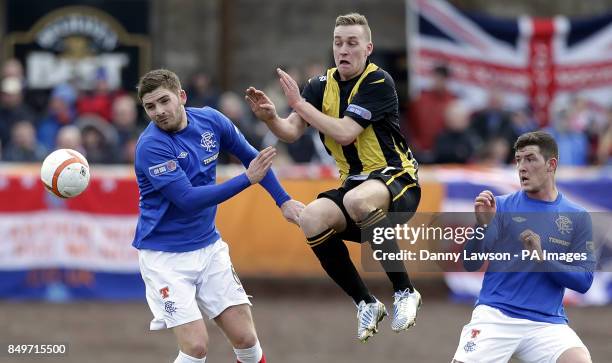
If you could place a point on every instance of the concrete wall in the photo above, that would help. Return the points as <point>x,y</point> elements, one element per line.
<point>294,33</point>
<point>241,42</point>
<point>263,34</point>
<point>544,8</point>
<point>184,35</point>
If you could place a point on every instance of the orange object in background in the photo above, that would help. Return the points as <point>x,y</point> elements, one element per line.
<point>263,244</point>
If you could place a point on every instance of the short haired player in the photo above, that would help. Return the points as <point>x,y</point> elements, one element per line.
<point>519,312</point>
<point>184,262</point>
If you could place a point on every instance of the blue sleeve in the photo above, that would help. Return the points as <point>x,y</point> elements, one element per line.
<point>233,141</point>
<point>577,276</point>
<point>157,161</point>
<point>190,199</point>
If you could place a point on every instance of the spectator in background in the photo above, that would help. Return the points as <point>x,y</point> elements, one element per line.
<point>128,151</point>
<point>99,101</point>
<point>232,106</point>
<point>99,140</point>
<point>314,69</point>
<point>12,107</point>
<point>456,144</point>
<point>125,118</point>
<point>427,115</point>
<point>603,153</point>
<point>60,112</point>
<point>494,121</point>
<point>523,121</point>
<point>304,149</point>
<point>13,68</point>
<point>35,99</point>
<point>201,91</point>
<point>69,137</point>
<point>494,153</point>
<point>573,144</point>
<point>23,146</point>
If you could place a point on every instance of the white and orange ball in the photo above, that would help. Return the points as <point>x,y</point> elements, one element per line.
<point>65,173</point>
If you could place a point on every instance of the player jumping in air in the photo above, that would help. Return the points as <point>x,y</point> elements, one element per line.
<point>354,106</point>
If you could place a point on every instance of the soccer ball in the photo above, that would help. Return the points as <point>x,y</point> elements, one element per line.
<point>65,173</point>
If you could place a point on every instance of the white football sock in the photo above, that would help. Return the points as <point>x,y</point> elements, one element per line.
<point>249,355</point>
<point>184,358</point>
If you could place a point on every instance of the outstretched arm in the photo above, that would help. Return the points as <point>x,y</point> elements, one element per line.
<point>190,199</point>
<point>287,129</point>
<point>343,130</point>
<point>234,142</point>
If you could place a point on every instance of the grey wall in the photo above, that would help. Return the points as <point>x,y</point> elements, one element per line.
<point>241,42</point>
<point>184,35</point>
<point>263,34</point>
<point>511,8</point>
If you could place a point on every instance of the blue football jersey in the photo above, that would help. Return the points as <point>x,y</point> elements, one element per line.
<point>163,158</point>
<point>521,287</point>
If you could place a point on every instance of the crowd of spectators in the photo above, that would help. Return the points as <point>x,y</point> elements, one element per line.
<point>104,124</point>
<point>441,129</point>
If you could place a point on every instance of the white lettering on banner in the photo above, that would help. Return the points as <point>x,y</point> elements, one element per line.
<point>45,69</point>
<point>51,239</point>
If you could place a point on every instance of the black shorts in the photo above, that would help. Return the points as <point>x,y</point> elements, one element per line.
<point>405,196</point>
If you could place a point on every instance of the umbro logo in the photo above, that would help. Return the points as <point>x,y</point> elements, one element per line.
<point>519,219</point>
<point>182,155</point>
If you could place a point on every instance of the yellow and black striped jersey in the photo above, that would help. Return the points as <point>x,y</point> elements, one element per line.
<point>371,100</point>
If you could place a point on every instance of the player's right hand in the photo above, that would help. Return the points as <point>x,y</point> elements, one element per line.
<point>260,165</point>
<point>485,207</point>
<point>260,104</point>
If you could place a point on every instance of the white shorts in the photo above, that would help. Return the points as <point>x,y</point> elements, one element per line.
<point>492,336</point>
<point>181,285</point>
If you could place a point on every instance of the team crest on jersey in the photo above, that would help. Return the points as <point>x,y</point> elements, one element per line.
<point>475,333</point>
<point>590,246</point>
<point>564,224</point>
<point>163,168</point>
<point>170,307</point>
<point>208,141</point>
<point>469,347</point>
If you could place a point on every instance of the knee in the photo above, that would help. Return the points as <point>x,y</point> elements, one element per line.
<point>313,221</point>
<point>357,205</point>
<point>245,341</point>
<point>195,349</point>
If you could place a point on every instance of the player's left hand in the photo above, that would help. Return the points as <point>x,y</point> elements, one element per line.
<point>291,210</point>
<point>531,242</point>
<point>290,88</point>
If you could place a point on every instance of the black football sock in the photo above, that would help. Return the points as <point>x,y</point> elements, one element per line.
<point>395,269</point>
<point>336,261</point>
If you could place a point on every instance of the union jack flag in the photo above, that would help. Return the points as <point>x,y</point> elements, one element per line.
<point>540,62</point>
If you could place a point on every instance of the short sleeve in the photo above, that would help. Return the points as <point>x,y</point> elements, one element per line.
<point>313,91</point>
<point>375,98</point>
<point>156,161</point>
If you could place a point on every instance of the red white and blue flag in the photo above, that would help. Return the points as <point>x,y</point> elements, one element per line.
<point>540,62</point>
